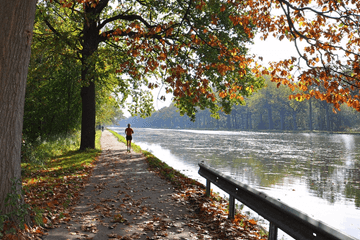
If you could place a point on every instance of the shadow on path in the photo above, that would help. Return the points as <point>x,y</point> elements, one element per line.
<point>123,200</point>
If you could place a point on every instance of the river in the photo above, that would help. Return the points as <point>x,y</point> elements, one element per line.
<point>316,173</point>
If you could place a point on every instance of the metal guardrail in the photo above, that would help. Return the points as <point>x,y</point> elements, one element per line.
<point>293,222</point>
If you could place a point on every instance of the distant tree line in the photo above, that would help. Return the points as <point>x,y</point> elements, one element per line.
<point>268,109</point>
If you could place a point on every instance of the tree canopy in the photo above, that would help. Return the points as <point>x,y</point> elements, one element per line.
<point>193,49</point>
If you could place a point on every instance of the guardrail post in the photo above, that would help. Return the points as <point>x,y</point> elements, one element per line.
<point>208,182</point>
<point>273,231</point>
<point>231,207</point>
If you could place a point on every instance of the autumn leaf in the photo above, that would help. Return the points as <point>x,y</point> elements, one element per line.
<point>222,9</point>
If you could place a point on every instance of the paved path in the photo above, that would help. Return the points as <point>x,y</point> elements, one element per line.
<point>124,200</point>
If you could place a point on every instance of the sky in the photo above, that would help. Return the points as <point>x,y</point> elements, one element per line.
<point>272,49</point>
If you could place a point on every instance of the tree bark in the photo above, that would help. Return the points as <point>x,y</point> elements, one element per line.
<point>88,117</point>
<point>90,45</point>
<point>17,19</point>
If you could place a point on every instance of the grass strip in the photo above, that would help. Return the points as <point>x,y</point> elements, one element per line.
<point>52,185</point>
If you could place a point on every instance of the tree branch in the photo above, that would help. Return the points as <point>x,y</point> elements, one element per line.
<point>131,17</point>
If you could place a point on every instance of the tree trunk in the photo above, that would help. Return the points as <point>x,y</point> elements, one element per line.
<point>90,45</point>
<point>228,121</point>
<point>294,121</point>
<point>282,119</point>
<point>88,117</point>
<point>17,19</point>
<point>310,116</point>
<point>261,125</point>
<point>271,124</point>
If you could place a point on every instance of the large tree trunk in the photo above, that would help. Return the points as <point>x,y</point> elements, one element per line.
<point>17,19</point>
<point>88,117</point>
<point>90,45</point>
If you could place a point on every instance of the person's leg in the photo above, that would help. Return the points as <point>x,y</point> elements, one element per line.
<point>129,145</point>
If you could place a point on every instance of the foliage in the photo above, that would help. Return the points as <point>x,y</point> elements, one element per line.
<point>326,37</point>
<point>52,100</point>
<point>191,48</point>
<point>39,153</point>
<point>108,110</point>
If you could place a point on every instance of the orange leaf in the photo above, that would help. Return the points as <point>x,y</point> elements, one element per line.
<point>39,231</point>
<point>27,229</point>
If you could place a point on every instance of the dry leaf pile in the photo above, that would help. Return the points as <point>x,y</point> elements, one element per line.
<point>209,216</point>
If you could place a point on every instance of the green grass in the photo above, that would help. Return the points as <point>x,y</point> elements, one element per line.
<point>52,182</point>
<point>52,174</point>
<point>59,159</point>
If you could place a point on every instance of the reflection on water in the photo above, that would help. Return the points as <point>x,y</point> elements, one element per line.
<point>318,174</point>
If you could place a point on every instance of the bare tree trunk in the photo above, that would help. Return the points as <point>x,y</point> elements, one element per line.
<point>17,19</point>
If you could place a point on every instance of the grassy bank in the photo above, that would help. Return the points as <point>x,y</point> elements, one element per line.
<point>51,178</point>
